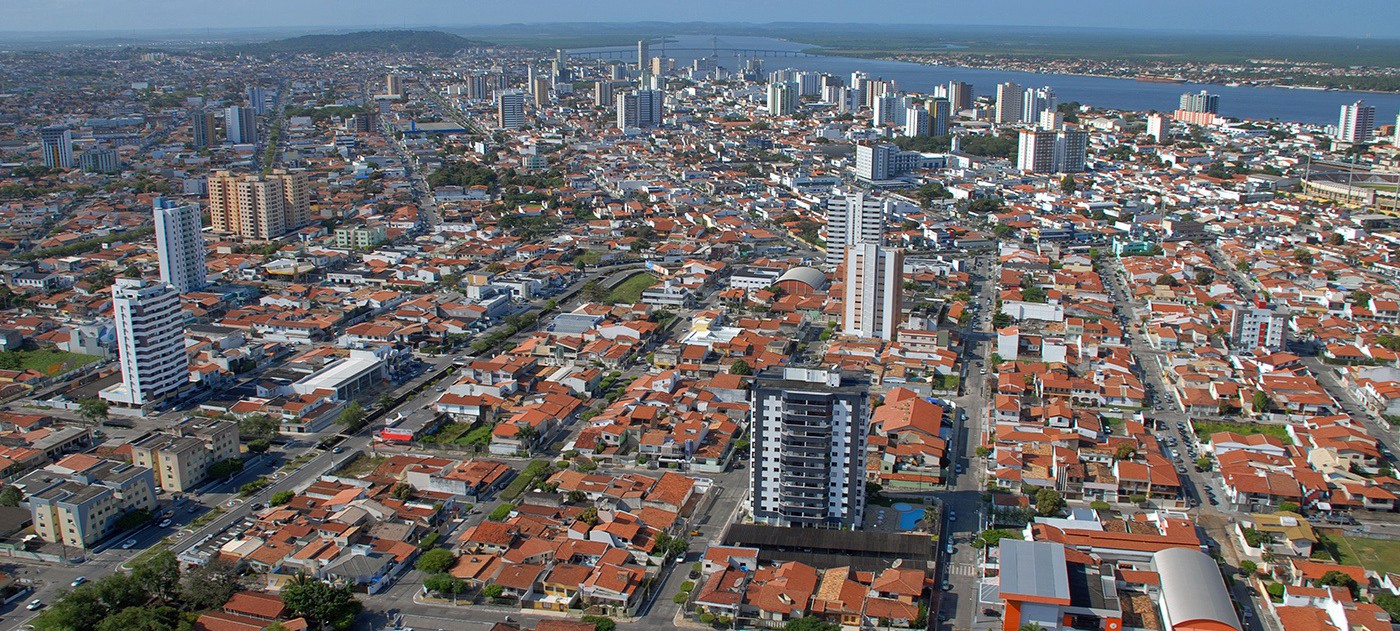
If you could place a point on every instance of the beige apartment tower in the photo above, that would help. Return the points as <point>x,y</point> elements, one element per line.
<point>259,206</point>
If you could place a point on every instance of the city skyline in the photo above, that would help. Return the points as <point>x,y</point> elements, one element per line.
<point>1286,17</point>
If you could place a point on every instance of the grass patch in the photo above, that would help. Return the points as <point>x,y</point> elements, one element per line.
<point>49,362</point>
<point>361,466</point>
<point>148,553</point>
<point>526,480</point>
<point>448,433</point>
<point>1380,555</point>
<point>209,516</point>
<point>630,291</point>
<point>1205,428</point>
<point>478,436</point>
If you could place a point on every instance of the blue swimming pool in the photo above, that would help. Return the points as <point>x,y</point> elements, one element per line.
<point>909,515</point>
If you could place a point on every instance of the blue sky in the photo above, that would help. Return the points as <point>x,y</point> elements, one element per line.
<point>1353,18</point>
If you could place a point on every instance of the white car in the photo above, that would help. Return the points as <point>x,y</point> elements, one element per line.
<point>34,605</point>
<point>129,544</point>
<point>78,581</point>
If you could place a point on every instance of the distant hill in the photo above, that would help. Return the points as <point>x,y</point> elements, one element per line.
<point>425,42</point>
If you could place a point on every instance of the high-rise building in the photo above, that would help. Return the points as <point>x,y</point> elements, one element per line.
<point>889,109</point>
<point>643,55</point>
<point>873,160</point>
<point>257,100</point>
<point>959,96</point>
<point>860,89</point>
<point>240,125</point>
<point>510,109</point>
<point>809,83</point>
<point>1052,120</point>
<point>541,88</point>
<point>179,246</point>
<point>808,449</point>
<point>1357,122</point>
<point>258,206</point>
<point>1037,100</point>
<point>393,85</point>
<point>477,87</point>
<point>1159,127</point>
<point>202,128</point>
<point>640,108</point>
<point>782,98</point>
<point>1255,326</point>
<point>1202,102</point>
<point>57,144</point>
<point>1047,151</point>
<point>916,122</point>
<point>602,93</point>
<point>873,305</point>
<point>100,160</point>
<point>939,111</point>
<point>852,219</point>
<point>838,95</point>
<point>183,455</point>
<point>1396,141</point>
<point>1009,102</point>
<point>150,342</point>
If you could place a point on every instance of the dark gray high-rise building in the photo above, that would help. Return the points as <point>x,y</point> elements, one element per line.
<point>202,126</point>
<point>807,456</point>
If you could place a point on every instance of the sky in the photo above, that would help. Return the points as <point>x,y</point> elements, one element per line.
<point>1351,18</point>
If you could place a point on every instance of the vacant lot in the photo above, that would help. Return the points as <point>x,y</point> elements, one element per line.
<point>1205,428</point>
<point>1373,554</point>
<point>49,362</point>
<point>630,291</point>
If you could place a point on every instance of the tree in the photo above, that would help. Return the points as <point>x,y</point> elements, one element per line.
<point>575,497</point>
<point>983,451</point>
<point>810,623</point>
<point>322,604</point>
<point>1068,185</point>
<point>402,491</point>
<point>159,575</point>
<point>1001,231</point>
<point>120,591</point>
<point>281,497</point>
<point>1260,402</point>
<point>493,591</point>
<point>590,516</point>
<point>1098,505</point>
<point>78,609</point>
<point>385,401</point>
<point>740,367</point>
<point>1337,578</point>
<point>1303,256</point>
<point>1048,502</point>
<point>141,619</point>
<point>1360,298</point>
<point>259,446</point>
<point>93,409</point>
<point>444,583</point>
<point>259,426</point>
<point>1124,452</point>
<point>11,496</point>
<point>351,415</point>
<point>1204,277</point>
<point>601,623</point>
<point>436,561</point>
<point>1248,568</point>
<point>1137,498</point>
<point>1288,507</point>
<point>991,537</point>
<point>1389,602</point>
<point>210,585</point>
<point>1203,463</point>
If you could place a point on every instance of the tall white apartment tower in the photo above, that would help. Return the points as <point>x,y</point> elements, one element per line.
<point>1010,98</point>
<point>150,342</point>
<point>1357,122</point>
<point>1037,100</point>
<point>782,98</point>
<point>852,219</point>
<point>510,109</point>
<point>240,125</point>
<point>179,245</point>
<point>57,143</point>
<point>873,306</point>
<point>916,122</point>
<point>1048,151</point>
<point>809,429</point>
<point>1159,127</point>
<point>939,110</point>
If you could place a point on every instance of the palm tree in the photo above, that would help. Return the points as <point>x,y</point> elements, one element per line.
<point>527,435</point>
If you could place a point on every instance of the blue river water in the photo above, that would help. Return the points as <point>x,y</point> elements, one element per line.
<point>1259,103</point>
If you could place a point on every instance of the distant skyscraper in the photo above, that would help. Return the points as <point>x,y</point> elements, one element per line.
<point>100,160</point>
<point>807,456</point>
<point>640,108</point>
<point>889,109</point>
<point>602,93</point>
<point>1357,122</point>
<point>150,342</point>
<point>240,125</point>
<point>809,83</point>
<point>959,96</point>
<point>510,109</point>
<point>782,99</point>
<point>916,122</point>
<point>393,85</point>
<point>939,110</point>
<point>1052,120</point>
<point>643,55</point>
<point>838,95</point>
<point>852,219</point>
<point>202,128</point>
<point>179,246</point>
<point>541,88</point>
<point>257,100</point>
<point>873,307</point>
<point>1202,101</point>
<point>57,145</point>
<point>1045,151</point>
<point>256,206</point>
<point>1159,127</point>
<point>1035,101</point>
<point>1009,102</point>
<point>860,89</point>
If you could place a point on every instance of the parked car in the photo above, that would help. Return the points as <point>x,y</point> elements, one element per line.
<point>78,581</point>
<point>128,544</point>
<point>35,605</point>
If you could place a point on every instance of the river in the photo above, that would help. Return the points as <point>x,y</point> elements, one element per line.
<point>1259,103</point>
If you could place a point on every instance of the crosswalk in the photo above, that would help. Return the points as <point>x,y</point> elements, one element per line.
<point>963,569</point>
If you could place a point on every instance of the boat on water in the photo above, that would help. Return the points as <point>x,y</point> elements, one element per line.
<point>1148,78</point>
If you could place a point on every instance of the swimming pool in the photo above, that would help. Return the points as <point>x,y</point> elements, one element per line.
<point>909,515</point>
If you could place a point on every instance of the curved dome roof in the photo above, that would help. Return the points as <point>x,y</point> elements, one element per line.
<point>810,276</point>
<point>1192,589</point>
